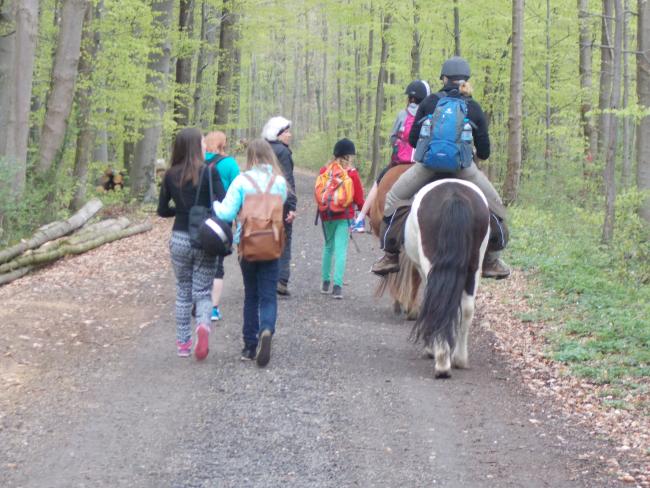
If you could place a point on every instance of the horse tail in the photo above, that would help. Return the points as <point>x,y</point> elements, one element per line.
<point>440,308</point>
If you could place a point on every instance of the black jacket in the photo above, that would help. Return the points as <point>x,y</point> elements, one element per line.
<point>474,113</point>
<point>183,197</point>
<point>283,153</point>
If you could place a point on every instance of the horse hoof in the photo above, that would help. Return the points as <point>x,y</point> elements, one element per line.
<point>441,375</point>
<point>457,364</point>
<point>412,315</point>
<point>397,308</point>
<point>428,352</point>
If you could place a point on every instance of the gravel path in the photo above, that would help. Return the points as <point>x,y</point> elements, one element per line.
<point>346,400</point>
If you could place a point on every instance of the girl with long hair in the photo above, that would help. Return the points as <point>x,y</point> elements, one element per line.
<point>194,269</point>
<point>260,277</point>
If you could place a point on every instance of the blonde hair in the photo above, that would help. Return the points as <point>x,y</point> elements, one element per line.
<point>465,88</point>
<point>260,152</point>
<point>344,160</point>
<point>215,142</point>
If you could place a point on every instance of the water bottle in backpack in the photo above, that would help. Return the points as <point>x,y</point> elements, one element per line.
<point>423,139</point>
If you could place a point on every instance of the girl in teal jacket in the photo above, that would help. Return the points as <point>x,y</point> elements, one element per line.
<point>260,277</point>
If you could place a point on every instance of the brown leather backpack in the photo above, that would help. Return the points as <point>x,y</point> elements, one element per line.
<point>262,227</point>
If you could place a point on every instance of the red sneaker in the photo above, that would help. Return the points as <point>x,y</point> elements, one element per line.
<point>202,340</point>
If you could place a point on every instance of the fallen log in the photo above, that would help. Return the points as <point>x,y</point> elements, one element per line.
<point>85,233</point>
<point>53,230</point>
<point>69,249</point>
<point>14,275</point>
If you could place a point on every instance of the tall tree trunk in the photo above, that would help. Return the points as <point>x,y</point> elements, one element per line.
<point>547,86</point>
<point>417,41</point>
<point>513,173</point>
<point>64,75</point>
<point>358,95</point>
<point>379,98</point>
<point>84,94</point>
<point>226,53</point>
<point>184,65</point>
<point>369,59</point>
<point>609,174</point>
<point>628,136</point>
<point>325,79</point>
<point>589,131</point>
<point>205,60</point>
<point>456,29</point>
<point>643,94</point>
<point>606,73</point>
<point>146,149</point>
<point>18,33</point>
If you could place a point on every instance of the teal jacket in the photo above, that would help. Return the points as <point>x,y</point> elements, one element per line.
<point>227,168</point>
<point>230,206</point>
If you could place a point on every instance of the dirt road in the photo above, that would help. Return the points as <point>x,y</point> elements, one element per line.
<point>93,395</point>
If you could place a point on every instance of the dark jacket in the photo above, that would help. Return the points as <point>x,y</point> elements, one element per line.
<point>183,197</point>
<point>474,113</point>
<point>283,153</point>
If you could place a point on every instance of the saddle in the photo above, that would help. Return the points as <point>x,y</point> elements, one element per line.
<point>499,233</point>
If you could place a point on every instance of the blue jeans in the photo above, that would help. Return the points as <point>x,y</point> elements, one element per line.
<point>285,259</point>
<point>260,300</point>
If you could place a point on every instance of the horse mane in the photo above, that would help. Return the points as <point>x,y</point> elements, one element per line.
<point>439,311</point>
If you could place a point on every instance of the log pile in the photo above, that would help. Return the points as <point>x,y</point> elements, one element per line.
<point>64,238</point>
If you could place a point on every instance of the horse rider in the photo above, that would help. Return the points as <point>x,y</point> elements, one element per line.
<point>455,74</point>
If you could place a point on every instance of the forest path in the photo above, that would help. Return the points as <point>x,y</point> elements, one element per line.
<point>93,395</point>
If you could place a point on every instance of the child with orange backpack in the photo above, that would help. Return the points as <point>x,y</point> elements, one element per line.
<point>338,189</point>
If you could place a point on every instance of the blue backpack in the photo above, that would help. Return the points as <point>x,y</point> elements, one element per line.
<point>446,151</point>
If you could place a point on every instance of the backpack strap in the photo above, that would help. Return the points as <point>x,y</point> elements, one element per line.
<point>198,188</point>
<point>253,182</point>
<point>270,185</point>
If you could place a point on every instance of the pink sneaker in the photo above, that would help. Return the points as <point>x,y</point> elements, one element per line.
<point>184,349</point>
<point>202,339</point>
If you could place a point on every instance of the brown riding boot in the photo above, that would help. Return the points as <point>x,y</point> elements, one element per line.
<point>493,267</point>
<point>389,263</point>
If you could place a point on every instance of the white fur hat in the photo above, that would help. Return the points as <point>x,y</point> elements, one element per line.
<point>274,127</point>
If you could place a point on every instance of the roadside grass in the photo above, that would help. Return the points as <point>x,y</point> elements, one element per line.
<point>597,298</point>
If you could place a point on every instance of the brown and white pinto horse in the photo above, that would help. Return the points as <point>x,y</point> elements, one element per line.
<point>446,237</point>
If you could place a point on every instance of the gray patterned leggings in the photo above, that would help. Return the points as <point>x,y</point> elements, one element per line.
<point>194,270</point>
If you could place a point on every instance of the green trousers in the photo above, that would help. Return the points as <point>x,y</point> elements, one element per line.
<point>337,236</point>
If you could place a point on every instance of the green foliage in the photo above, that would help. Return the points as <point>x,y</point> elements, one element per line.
<point>598,296</point>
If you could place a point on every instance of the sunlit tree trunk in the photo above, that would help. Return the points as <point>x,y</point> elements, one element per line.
<point>513,173</point>
<point>609,174</point>
<point>417,41</point>
<point>628,135</point>
<point>226,55</point>
<point>586,85</point>
<point>18,35</point>
<point>379,99</point>
<point>84,94</point>
<point>606,73</point>
<point>184,65</point>
<point>64,76</point>
<point>456,29</point>
<point>146,149</point>
<point>643,94</point>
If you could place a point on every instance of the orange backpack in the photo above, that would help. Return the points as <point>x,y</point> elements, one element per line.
<point>333,190</point>
<point>262,226</point>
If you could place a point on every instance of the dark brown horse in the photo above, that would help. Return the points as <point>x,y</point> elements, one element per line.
<point>404,285</point>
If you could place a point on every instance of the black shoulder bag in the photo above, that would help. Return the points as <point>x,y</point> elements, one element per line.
<point>198,213</point>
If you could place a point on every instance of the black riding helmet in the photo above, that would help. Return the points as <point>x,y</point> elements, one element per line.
<point>418,90</point>
<point>455,68</point>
